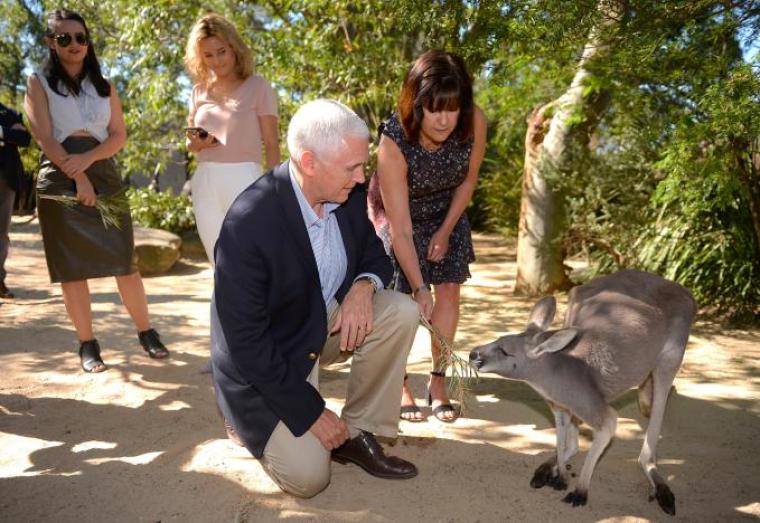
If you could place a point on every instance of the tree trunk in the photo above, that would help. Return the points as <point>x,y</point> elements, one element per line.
<point>555,135</point>
<point>751,176</point>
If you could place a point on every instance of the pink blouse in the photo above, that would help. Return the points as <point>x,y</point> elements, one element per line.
<point>234,121</point>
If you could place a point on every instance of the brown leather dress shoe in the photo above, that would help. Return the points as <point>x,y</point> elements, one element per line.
<point>365,451</point>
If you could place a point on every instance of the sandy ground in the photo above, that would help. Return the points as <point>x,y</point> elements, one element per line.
<point>143,441</point>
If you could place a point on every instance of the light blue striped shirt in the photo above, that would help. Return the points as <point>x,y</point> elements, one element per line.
<point>327,244</point>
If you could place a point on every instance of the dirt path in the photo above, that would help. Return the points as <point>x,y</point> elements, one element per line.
<point>143,442</point>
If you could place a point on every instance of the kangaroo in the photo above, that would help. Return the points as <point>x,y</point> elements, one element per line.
<point>625,330</point>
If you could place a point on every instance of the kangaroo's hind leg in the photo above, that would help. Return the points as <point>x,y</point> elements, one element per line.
<point>645,397</point>
<point>662,378</point>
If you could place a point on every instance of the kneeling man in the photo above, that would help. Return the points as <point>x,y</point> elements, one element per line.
<point>299,284</point>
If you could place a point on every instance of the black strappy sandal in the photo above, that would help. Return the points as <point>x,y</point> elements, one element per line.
<point>151,344</point>
<point>89,357</point>
<point>444,407</point>
<point>411,409</point>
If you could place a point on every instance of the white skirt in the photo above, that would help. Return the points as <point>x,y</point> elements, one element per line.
<point>214,186</point>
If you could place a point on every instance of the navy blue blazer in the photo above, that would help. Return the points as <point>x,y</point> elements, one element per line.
<point>270,320</point>
<point>10,161</point>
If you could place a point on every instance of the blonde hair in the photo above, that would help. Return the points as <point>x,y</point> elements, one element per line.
<point>209,25</point>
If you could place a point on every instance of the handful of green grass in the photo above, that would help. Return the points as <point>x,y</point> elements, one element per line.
<point>461,372</point>
<point>111,207</point>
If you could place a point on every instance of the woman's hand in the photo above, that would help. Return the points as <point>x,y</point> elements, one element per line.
<point>85,191</point>
<point>424,299</point>
<point>76,164</point>
<point>196,143</point>
<point>439,246</point>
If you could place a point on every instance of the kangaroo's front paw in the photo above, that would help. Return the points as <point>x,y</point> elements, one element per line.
<point>543,475</point>
<point>576,498</point>
<point>558,483</point>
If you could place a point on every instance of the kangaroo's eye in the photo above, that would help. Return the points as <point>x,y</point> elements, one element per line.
<point>505,353</point>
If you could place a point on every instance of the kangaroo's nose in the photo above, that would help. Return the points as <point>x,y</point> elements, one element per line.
<point>476,361</point>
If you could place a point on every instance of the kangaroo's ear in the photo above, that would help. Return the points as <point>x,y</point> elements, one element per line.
<point>556,342</point>
<point>543,313</point>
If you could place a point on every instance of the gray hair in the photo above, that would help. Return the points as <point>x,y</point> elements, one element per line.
<point>321,126</point>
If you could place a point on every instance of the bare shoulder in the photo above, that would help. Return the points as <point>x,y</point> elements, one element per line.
<point>478,116</point>
<point>389,149</point>
<point>391,163</point>
<point>33,81</point>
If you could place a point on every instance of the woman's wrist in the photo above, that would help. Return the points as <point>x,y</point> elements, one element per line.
<point>420,288</point>
<point>444,229</point>
<point>90,156</point>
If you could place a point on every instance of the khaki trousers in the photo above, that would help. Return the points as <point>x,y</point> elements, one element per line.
<point>301,465</point>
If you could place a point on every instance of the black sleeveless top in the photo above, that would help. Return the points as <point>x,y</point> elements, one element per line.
<point>432,178</point>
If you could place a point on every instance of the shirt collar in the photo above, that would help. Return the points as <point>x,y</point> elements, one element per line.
<point>309,216</point>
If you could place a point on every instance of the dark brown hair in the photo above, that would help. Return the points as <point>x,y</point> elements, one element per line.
<point>54,72</point>
<point>437,81</point>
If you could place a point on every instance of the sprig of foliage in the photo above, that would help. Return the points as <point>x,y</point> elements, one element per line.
<point>112,207</point>
<point>462,374</point>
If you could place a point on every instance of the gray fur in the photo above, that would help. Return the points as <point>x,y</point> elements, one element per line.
<point>621,331</point>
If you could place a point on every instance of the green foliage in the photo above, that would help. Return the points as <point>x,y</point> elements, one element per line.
<point>665,186</point>
<point>20,32</point>
<point>161,210</point>
<point>703,236</point>
<point>496,202</point>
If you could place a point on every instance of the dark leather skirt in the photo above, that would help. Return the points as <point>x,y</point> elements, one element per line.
<point>77,244</point>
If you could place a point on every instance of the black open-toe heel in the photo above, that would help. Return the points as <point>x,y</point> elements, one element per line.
<point>443,407</point>
<point>151,344</point>
<point>411,409</point>
<point>89,357</point>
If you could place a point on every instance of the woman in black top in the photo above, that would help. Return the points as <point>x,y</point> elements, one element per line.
<point>428,161</point>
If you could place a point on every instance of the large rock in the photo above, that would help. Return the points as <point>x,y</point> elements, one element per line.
<point>192,247</point>
<point>157,251</point>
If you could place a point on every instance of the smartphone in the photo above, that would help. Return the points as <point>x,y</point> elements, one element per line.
<point>200,131</point>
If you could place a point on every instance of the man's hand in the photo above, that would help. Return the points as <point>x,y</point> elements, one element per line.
<point>330,430</point>
<point>354,318</point>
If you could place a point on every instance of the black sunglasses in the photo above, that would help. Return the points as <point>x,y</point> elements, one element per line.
<point>64,39</point>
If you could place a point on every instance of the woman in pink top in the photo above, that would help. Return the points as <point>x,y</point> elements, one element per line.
<point>233,112</point>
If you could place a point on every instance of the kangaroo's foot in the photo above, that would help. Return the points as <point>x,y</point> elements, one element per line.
<point>576,498</point>
<point>547,474</point>
<point>665,498</point>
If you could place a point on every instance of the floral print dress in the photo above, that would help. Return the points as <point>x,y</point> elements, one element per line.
<point>432,178</point>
